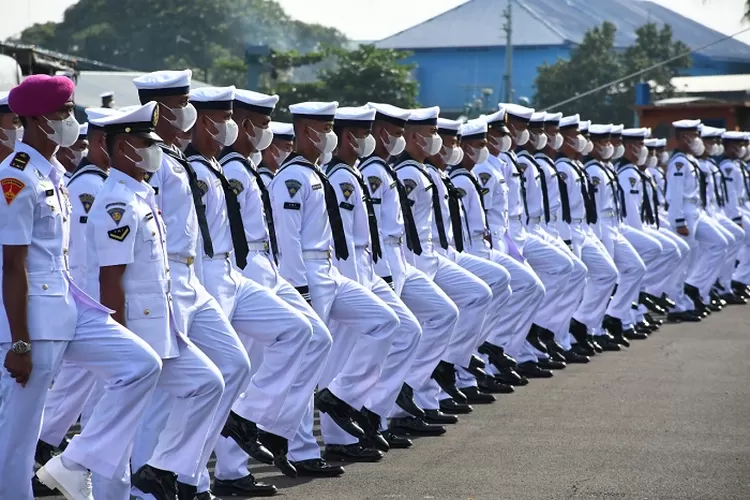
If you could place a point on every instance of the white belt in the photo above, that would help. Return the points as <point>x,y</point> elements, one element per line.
<point>477,237</point>
<point>258,246</point>
<point>366,248</point>
<point>577,220</point>
<point>608,213</point>
<point>393,241</point>
<point>217,256</point>
<point>316,254</point>
<point>534,220</point>
<point>692,201</point>
<point>516,218</point>
<point>182,260</point>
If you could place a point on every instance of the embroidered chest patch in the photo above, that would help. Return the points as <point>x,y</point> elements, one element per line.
<point>410,185</point>
<point>236,186</point>
<point>11,188</point>
<point>293,186</point>
<point>86,201</point>
<point>374,182</point>
<point>461,192</point>
<point>596,181</point>
<point>679,165</point>
<point>347,189</point>
<point>202,187</point>
<point>484,178</point>
<point>633,181</point>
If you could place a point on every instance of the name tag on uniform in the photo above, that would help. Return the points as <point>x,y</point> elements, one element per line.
<point>516,174</point>
<point>49,192</point>
<point>156,190</point>
<point>634,191</point>
<point>393,184</point>
<point>149,216</point>
<point>678,174</point>
<point>84,219</point>
<point>316,186</point>
<point>292,206</point>
<point>346,206</point>
<point>376,201</point>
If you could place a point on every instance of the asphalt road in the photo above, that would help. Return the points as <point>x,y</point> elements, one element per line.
<point>668,419</point>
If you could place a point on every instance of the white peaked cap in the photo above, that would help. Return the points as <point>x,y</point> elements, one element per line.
<point>517,110</point>
<point>570,121</point>
<point>686,124</point>
<point>446,124</point>
<point>282,130</point>
<point>83,129</point>
<point>477,127</point>
<point>390,113</point>
<point>212,95</point>
<point>427,116</point>
<point>552,117</point>
<point>255,101</point>
<point>159,80</point>
<point>600,129</point>
<point>355,114</point>
<point>637,133</point>
<point>324,111</point>
<point>139,121</point>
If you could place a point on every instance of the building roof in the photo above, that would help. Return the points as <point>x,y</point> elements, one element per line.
<point>711,84</point>
<point>556,22</point>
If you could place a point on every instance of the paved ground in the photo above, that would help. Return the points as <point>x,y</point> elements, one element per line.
<point>668,419</point>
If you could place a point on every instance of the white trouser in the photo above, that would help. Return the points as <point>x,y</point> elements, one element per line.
<point>629,265</point>
<point>65,402</point>
<point>675,266</point>
<point>362,338</point>
<point>735,235</point>
<point>742,271</point>
<point>676,291</point>
<point>383,394</point>
<point>130,370</point>
<point>709,248</point>
<point>651,252</point>
<point>552,266</point>
<point>601,278</point>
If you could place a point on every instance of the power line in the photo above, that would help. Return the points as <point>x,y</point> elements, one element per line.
<point>653,66</point>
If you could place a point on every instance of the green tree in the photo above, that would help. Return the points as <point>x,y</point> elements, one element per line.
<point>596,62</point>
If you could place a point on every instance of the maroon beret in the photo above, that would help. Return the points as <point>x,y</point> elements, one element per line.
<point>40,95</point>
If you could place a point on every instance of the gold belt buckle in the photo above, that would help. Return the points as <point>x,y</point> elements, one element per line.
<point>330,253</point>
<point>190,261</point>
<point>265,246</point>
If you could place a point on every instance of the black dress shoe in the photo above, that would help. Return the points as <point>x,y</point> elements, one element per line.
<point>477,397</point>
<point>445,375</point>
<point>554,350</point>
<point>405,401</point>
<point>370,423</point>
<point>492,386</point>
<point>437,417</point>
<point>550,364</point>
<point>581,350</point>
<point>397,442</point>
<point>351,453</point>
<point>44,452</point>
<point>317,467</point>
<point>573,357</point>
<point>162,484</point>
<point>186,491</point>
<point>530,369</point>
<point>733,300</point>
<point>450,407</point>
<point>632,334</point>
<point>620,339</point>
<point>279,447</point>
<point>652,320</point>
<point>741,289</point>
<point>244,487</point>
<point>534,338</point>
<point>208,495</point>
<point>607,344</point>
<point>245,434</point>
<point>497,356</point>
<point>476,367</point>
<point>412,426</point>
<point>40,490</point>
<point>694,294</point>
<point>683,316</point>
<point>339,411</point>
<point>612,325</point>
<point>594,341</point>
<point>511,377</point>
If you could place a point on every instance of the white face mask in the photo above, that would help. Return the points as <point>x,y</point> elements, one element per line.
<point>325,158</point>
<point>642,155</point>
<point>262,137</point>
<point>184,118</point>
<point>589,147</point>
<point>280,156</point>
<point>364,145</point>
<point>432,144</point>
<point>256,158</point>
<point>742,153</point>
<point>522,137</point>
<point>651,162</point>
<point>578,143</point>
<point>557,142</point>
<point>182,143</point>
<point>697,147</point>
<point>150,158</point>
<point>452,156</point>
<point>713,150</point>
<point>394,145</point>
<point>79,155</point>
<point>606,151</point>
<point>227,132</point>
<point>64,132</point>
<point>719,149</point>
<point>12,135</point>
<point>618,151</point>
<point>663,157</point>
<point>479,156</point>
<point>540,141</point>
<point>326,142</point>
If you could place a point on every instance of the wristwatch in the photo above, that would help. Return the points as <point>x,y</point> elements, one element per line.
<point>21,347</point>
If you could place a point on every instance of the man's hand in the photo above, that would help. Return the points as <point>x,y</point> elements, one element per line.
<point>683,231</point>
<point>19,366</point>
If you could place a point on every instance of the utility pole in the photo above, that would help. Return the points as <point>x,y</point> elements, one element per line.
<point>508,77</point>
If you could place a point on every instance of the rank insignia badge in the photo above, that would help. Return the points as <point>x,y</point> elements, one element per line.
<point>293,186</point>
<point>347,189</point>
<point>116,214</point>
<point>86,201</point>
<point>374,182</point>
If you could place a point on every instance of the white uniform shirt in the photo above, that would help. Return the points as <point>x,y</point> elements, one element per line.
<point>553,185</point>
<point>604,187</point>
<point>125,228</point>
<point>573,176</point>
<point>212,195</point>
<point>245,185</point>
<point>534,195</point>
<point>266,174</point>
<point>683,186</point>
<point>418,184</point>
<point>83,187</point>
<point>492,178</point>
<point>300,216</point>
<point>516,186</point>
<point>437,178</point>
<point>735,188</point>
<point>472,204</point>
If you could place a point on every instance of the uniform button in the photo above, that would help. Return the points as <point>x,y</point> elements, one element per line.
<point>45,286</point>
<point>65,219</point>
<point>146,312</point>
<point>153,233</point>
<point>65,250</point>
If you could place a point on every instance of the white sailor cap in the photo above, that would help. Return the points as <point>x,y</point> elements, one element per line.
<point>108,93</point>
<point>163,83</point>
<point>255,101</point>
<point>83,130</point>
<point>359,117</point>
<point>662,143</point>
<point>4,107</point>
<point>537,119</point>
<point>213,98</point>
<point>733,135</point>
<point>651,143</point>
<point>424,116</point>
<point>282,131</point>
<point>634,134</point>
<point>711,132</point>
<point>517,111</point>
<point>474,129</point>
<point>600,130</point>
<point>553,118</point>
<point>449,127</point>
<point>570,121</point>
<point>616,129</point>
<point>687,124</point>
<point>497,121</point>
<point>314,110</point>
<point>140,121</point>
<point>583,126</point>
<point>390,114</point>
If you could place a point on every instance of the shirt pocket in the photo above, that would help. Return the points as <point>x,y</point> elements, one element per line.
<point>48,224</point>
<point>145,306</point>
<point>151,238</point>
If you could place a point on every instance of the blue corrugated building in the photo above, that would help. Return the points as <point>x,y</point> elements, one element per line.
<point>461,53</point>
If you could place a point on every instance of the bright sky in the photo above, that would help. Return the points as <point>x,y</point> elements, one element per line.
<point>373,20</point>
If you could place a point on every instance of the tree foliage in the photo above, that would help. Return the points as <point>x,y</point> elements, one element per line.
<point>596,62</point>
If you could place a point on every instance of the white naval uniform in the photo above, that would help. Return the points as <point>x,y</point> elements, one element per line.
<point>629,264</point>
<point>435,311</point>
<point>708,245</point>
<point>602,272</point>
<point>305,234</point>
<point>527,289</point>
<point>491,273</point>
<point>71,394</point>
<point>736,210</point>
<point>125,229</point>
<point>470,294</point>
<point>197,313</point>
<point>64,324</point>
<point>231,461</point>
<point>351,193</point>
